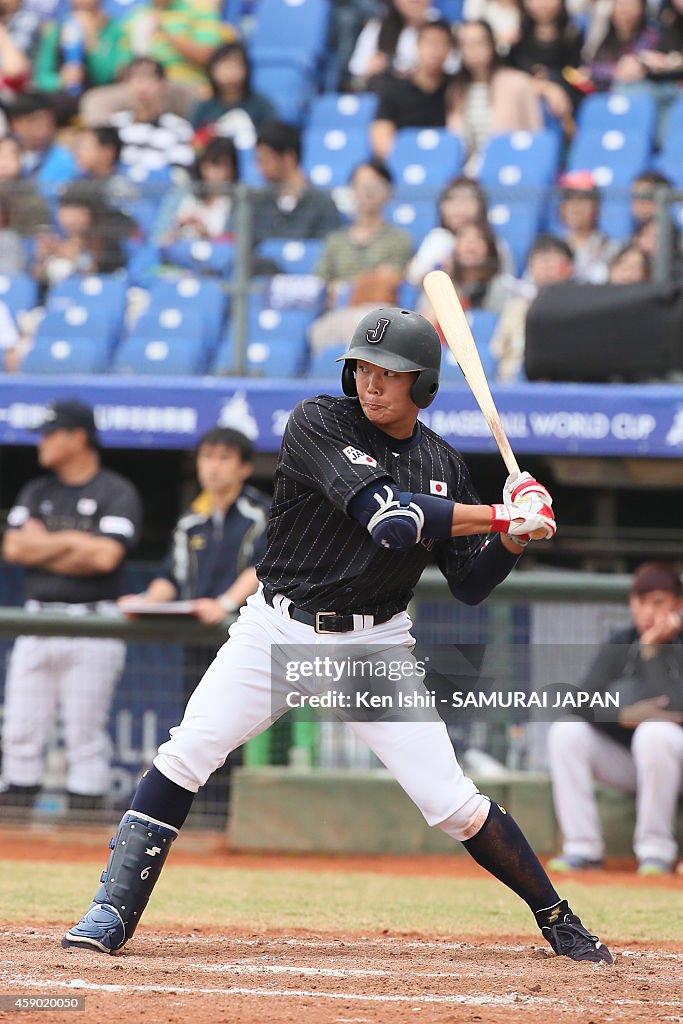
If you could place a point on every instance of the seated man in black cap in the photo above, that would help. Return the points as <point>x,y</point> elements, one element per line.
<point>71,528</point>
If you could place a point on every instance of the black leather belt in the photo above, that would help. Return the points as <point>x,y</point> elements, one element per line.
<point>328,622</point>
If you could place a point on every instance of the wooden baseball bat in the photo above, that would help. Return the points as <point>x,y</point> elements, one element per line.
<point>456,330</point>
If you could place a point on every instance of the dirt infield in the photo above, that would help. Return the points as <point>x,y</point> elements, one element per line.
<point>221,978</point>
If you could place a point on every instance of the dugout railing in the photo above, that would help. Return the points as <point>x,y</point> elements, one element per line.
<point>529,619</point>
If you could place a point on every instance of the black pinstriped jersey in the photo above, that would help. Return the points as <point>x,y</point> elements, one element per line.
<point>321,558</point>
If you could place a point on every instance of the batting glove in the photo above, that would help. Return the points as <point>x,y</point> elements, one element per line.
<point>520,524</point>
<point>527,493</point>
<point>396,524</point>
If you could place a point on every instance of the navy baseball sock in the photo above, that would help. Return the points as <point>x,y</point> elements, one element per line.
<point>162,799</point>
<point>501,848</point>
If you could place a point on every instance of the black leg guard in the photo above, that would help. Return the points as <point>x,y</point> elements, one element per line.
<point>139,851</point>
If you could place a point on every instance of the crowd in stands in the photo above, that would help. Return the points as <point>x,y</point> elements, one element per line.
<point>516,144</point>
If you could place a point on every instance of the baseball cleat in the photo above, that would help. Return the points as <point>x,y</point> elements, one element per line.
<point>568,937</point>
<point>651,867</point>
<point>569,862</point>
<point>101,929</point>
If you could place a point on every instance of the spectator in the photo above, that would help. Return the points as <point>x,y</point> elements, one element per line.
<point>23,27</point>
<point>549,43</point>
<point>475,268</point>
<point>612,50</point>
<point>86,243</point>
<point>644,196</point>
<point>579,214</point>
<point>152,139</point>
<point>630,265</point>
<point>33,122</point>
<point>419,99</point>
<point>28,211</point>
<point>71,529</point>
<point>76,53</point>
<point>642,750</point>
<point>366,260</point>
<point>204,209</point>
<point>646,239</point>
<point>12,252</point>
<point>390,44</point>
<point>485,97</point>
<point>10,341</point>
<point>98,151</point>
<point>234,110</point>
<point>504,17</point>
<point>18,35</point>
<point>180,35</point>
<point>462,200</point>
<point>550,262</point>
<point>211,563</point>
<point>290,207</point>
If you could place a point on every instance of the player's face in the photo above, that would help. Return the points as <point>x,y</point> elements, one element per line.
<point>58,447</point>
<point>385,398</point>
<point>220,468</point>
<point>648,609</point>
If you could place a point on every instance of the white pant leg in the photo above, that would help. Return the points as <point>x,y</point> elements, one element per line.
<point>658,754</point>
<point>31,691</point>
<point>91,668</point>
<point>579,756</point>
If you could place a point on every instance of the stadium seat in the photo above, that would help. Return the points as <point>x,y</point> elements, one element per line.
<point>277,344</point>
<point>330,155</point>
<point>204,296</point>
<point>604,111</point>
<point>293,256</point>
<point>615,157</point>
<point>79,321</point>
<point>483,323</point>
<point>451,10</point>
<point>117,10</point>
<point>292,31</point>
<point>518,222</point>
<point>159,355</point>
<point>323,364</point>
<point>427,157</point>
<point>416,216</point>
<point>288,87</point>
<point>19,292</point>
<point>53,355</point>
<point>520,160</point>
<point>201,256</point>
<point>103,295</point>
<point>670,159</point>
<point>348,111</point>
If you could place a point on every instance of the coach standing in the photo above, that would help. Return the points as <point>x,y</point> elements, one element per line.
<point>71,530</point>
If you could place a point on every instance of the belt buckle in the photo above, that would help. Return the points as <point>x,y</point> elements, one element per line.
<point>318,626</point>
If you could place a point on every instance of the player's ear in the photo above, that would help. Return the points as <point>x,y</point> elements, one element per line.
<point>348,378</point>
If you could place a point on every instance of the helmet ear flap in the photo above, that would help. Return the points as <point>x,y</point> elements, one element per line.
<point>348,378</point>
<point>423,391</point>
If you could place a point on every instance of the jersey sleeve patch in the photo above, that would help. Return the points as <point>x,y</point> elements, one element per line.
<point>18,516</point>
<point>359,458</point>
<point>117,525</point>
<point>438,487</point>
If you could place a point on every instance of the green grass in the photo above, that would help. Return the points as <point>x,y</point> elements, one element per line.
<point>336,901</point>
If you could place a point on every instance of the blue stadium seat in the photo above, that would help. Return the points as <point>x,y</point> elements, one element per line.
<point>520,159</point>
<point>197,295</point>
<point>293,256</point>
<point>288,87</point>
<point>160,355</point>
<point>348,111</point>
<point>451,10</point>
<point>116,10</point>
<point>101,294</point>
<point>604,111</point>
<point>294,31</point>
<point>330,155</point>
<point>53,354</point>
<point>615,157</point>
<point>483,323</point>
<point>670,159</point>
<point>173,324</point>
<point>74,321</point>
<point>416,216</point>
<point>323,364</point>
<point>518,222</point>
<point>277,342</point>
<point>19,292</point>
<point>201,256</point>
<point>427,157</point>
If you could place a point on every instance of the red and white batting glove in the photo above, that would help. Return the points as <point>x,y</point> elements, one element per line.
<point>523,490</point>
<point>520,524</point>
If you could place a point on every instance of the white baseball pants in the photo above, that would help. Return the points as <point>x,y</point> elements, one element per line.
<point>581,755</point>
<point>75,676</point>
<point>234,702</point>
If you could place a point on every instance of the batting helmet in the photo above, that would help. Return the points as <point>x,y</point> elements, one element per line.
<point>396,339</point>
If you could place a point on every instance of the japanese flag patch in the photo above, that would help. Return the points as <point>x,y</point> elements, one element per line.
<point>359,458</point>
<point>438,487</point>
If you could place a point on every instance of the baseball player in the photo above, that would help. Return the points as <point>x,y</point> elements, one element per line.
<point>71,528</point>
<point>365,496</point>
